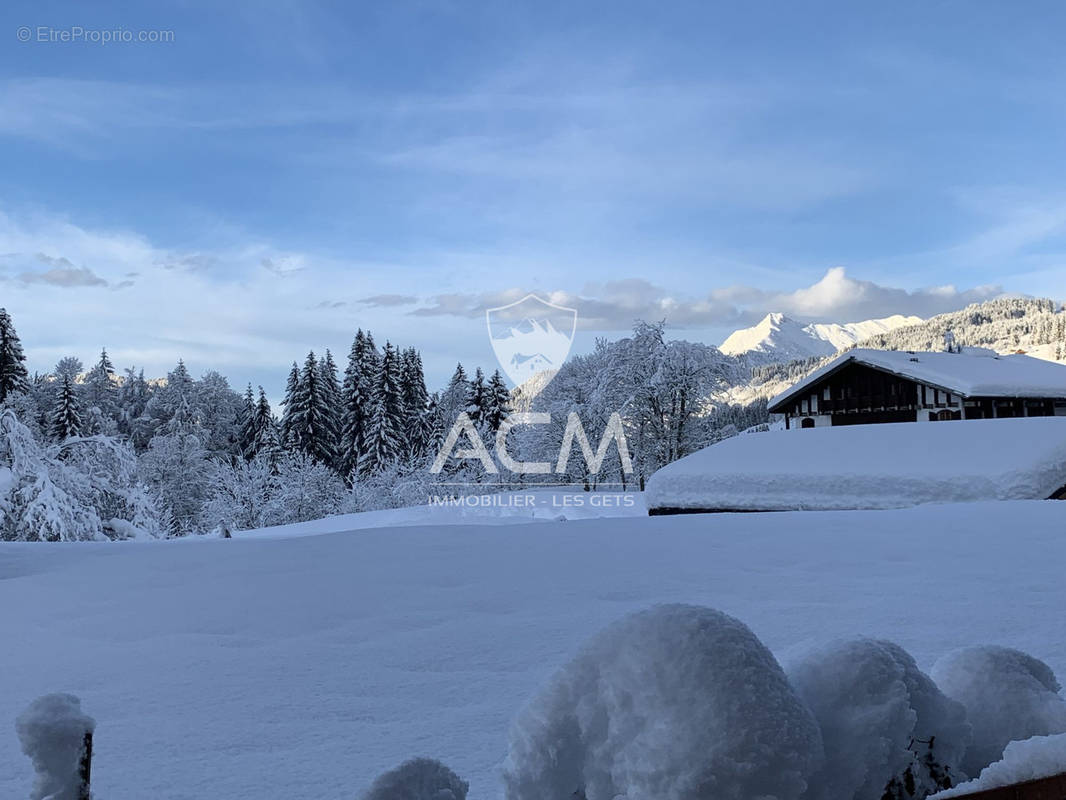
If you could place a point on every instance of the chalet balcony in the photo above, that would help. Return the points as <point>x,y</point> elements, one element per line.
<point>865,403</point>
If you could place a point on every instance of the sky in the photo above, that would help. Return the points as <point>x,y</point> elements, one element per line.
<point>258,179</point>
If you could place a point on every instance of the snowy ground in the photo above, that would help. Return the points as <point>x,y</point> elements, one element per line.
<point>302,667</point>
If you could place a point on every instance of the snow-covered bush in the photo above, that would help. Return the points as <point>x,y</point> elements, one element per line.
<point>307,490</point>
<point>1008,696</point>
<point>238,494</point>
<point>418,779</point>
<point>674,703</point>
<point>78,490</point>
<point>881,719</point>
<point>52,733</point>
<point>395,486</point>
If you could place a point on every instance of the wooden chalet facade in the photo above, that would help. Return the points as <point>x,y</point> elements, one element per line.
<point>872,386</point>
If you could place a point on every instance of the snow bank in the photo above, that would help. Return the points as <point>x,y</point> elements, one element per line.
<point>1008,696</point>
<point>418,779</point>
<point>52,733</point>
<point>877,712</point>
<point>1027,760</point>
<point>530,505</point>
<point>675,703</point>
<point>870,467</point>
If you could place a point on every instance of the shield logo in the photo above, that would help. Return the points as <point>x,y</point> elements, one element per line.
<point>531,337</point>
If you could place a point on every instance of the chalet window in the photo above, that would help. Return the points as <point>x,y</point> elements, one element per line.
<point>807,422</point>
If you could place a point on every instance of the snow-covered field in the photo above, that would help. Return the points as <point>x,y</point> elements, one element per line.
<point>301,667</point>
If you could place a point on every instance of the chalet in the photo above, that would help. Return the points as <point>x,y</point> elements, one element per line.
<point>868,386</point>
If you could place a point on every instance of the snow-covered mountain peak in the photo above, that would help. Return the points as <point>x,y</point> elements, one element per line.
<point>785,339</point>
<point>779,335</point>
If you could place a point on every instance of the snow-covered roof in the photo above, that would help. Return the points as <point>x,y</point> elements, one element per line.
<point>892,465</point>
<point>965,374</point>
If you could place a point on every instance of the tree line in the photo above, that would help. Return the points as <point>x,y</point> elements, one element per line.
<point>197,455</point>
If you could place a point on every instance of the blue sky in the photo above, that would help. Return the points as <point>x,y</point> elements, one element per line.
<point>281,173</point>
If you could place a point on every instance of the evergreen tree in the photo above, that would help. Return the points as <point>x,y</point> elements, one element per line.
<point>384,435</point>
<point>415,396</point>
<point>357,397</point>
<point>133,399</point>
<point>477,399</point>
<point>313,428</point>
<point>333,405</point>
<point>499,401</point>
<point>292,389</point>
<point>13,375</point>
<point>100,390</point>
<point>266,442</point>
<point>246,425</point>
<point>66,418</point>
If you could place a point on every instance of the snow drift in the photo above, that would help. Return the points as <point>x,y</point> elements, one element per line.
<point>880,718</point>
<point>1008,696</point>
<point>869,467</point>
<point>52,732</point>
<point>675,703</point>
<point>1027,760</point>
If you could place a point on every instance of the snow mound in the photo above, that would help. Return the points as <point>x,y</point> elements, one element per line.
<point>52,733</point>
<point>674,703</point>
<point>870,467</point>
<point>1027,760</point>
<point>878,713</point>
<point>418,779</point>
<point>1008,696</point>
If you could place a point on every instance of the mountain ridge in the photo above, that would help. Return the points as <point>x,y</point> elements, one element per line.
<point>781,338</point>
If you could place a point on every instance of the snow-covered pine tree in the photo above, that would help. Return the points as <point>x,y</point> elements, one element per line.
<point>267,440</point>
<point>246,421</point>
<point>133,398</point>
<point>100,390</point>
<point>13,375</point>
<point>499,402</point>
<point>360,380</point>
<point>333,405</point>
<point>312,426</point>
<point>292,389</point>
<point>477,399</point>
<point>66,417</point>
<point>383,440</point>
<point>417,430</point>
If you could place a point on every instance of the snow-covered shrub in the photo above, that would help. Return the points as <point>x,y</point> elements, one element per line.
<point>881,719</point>
<point>80,489</point>
<point>306,490</point>
<point>1008,695</point>
<point>674,703</point>
<point>418,779</point>
<point>239,494</point>
<point>52,733</point>
<point>395,486</point>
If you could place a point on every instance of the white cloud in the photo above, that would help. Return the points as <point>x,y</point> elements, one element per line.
<point>615,305</point>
